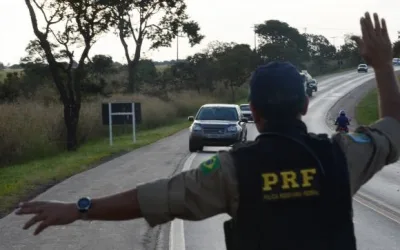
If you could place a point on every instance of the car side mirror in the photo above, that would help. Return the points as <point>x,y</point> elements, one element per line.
<point>244,120</point>
<point>190,118</point>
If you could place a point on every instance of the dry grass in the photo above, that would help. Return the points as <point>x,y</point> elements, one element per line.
<point>32,129</point>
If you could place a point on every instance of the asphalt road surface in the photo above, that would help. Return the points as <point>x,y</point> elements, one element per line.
<point>376,226</point>
<point>377,220</point>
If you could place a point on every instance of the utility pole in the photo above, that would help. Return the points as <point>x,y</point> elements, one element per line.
<point>305,30</point>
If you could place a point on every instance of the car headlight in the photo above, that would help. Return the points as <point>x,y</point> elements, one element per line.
<point>196,127</point>
<point>232,129</point>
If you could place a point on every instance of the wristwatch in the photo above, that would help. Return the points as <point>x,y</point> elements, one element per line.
<point>83,205</point>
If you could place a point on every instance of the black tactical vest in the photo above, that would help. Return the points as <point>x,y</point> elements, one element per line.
<point>294,192</point>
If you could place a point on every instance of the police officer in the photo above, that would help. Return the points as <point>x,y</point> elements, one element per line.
<point>287,190</point>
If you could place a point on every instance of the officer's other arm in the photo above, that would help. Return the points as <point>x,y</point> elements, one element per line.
<point>191,195</point>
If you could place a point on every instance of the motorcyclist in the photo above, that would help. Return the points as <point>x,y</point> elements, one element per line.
<point>342,121</point>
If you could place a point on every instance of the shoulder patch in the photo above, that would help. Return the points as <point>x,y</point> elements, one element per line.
<point>210,165</point>
<point>359,137</point>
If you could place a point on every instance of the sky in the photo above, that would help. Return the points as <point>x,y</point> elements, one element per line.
<point>222,20</point>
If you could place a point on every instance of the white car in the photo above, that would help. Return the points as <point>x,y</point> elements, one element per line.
<point>362,68</point>
<point>307,75</point>
<point>245,109</point>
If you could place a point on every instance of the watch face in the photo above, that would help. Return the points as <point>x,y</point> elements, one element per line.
<point>84,203</point>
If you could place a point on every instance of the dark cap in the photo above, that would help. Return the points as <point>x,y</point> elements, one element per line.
<point>277,90</point>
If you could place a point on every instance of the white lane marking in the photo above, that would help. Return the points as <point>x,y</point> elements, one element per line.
<point>177,232</point>
<point>388,214</point>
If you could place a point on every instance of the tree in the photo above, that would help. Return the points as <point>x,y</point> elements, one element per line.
<point>173,20</point>
<point>203,70</point>
<point>2,66</point>
<point>146,72</point>
<point>396,49</point>
<point>10,87</point>
<point>320,51</point>
<point>235,65</point>
<point>349,51</point>
<point>279,41</point>
<point>320,47</point>
<point>81,22</point>
<point>101,64</point>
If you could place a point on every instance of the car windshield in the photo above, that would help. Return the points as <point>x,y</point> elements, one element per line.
<point>362,66</point>
<point>245,107</point>
<point>217,113</point>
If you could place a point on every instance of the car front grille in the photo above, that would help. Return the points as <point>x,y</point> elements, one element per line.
<point>214,130</point>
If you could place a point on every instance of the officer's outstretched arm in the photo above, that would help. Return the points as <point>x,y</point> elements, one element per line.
<point>370,149</point>
<point>191,195</point>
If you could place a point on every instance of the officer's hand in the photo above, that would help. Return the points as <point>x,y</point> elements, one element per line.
<point>48,214</point>
<point>375,46</point>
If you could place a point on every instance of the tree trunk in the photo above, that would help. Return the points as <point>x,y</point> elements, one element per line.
<point>233,94</point>
<point>71,118</point>
<point>131,77</point>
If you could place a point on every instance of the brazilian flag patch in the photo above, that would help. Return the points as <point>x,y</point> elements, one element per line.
<point>210,165</point>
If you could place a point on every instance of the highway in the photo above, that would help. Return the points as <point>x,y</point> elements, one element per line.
<point>377,226</point>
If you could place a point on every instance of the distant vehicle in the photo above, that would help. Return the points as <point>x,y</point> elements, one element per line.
<point>217,125</point>
<point>245,109</point>
<point>362,68</point>
<point>307,87</point>
<point>306,74</point>
<point>396,61</point>
<point>313,84</point>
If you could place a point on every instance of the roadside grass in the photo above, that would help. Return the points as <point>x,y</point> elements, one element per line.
<point>24,181</point>
<point>367,109</point>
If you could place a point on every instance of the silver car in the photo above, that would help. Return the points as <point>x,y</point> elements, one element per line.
<point>245,109</point>
<point>217,125</point>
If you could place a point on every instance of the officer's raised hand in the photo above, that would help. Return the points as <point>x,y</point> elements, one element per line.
<point>375,46</point>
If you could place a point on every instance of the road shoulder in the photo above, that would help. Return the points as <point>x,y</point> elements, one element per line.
<point>159,160</point>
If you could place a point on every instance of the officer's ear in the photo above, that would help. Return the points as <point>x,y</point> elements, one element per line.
<point>305,107</point>
<point>255,113</point>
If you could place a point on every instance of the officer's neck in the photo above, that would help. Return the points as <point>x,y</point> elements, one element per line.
<point>295,125</point>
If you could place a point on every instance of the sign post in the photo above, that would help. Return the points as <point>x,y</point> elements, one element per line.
<point>120,114</point>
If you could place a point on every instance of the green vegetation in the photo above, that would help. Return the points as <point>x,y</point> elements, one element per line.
<point>367,108</point>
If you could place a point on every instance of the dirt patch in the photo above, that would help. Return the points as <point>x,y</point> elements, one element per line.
<point>349,103</point>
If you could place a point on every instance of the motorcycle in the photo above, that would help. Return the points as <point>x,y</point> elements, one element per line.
<point>342,130</point>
